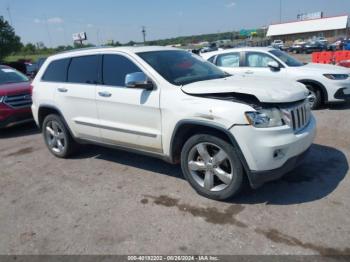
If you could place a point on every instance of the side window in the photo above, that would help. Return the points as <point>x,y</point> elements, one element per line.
<point>211,59</point>
<point>56,71</point>
<point>115,69</point>
<point>228,60</point>
<point>258,59</point>
<point>84,70</point>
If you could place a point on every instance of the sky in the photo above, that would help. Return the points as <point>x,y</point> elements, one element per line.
<point>54,21</point>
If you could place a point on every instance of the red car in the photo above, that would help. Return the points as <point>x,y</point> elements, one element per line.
<point>345,63</point>
<point>15,97</point>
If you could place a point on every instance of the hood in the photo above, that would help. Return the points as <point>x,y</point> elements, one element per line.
<point>326,69</point>
<point>266,90</point>
<point>15,88</point>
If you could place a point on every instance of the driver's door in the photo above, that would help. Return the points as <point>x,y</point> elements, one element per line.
<point>129,117</point>
<point>256,64</point>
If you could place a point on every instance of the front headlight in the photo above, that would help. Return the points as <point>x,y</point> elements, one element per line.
<point>264,118</point>
<point>337,76</point>
<point>1,99</point>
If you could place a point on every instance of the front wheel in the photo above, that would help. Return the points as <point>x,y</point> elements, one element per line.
<point>212,167</point>
<point>315,97</point>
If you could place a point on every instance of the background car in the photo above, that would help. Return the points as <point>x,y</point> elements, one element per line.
<point>297,47</point>
<point>278,44</point>
<point>327,83</point>
<point>314,46</point>
<point>15,97</point>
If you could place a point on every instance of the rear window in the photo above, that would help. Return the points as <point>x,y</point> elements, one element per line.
<point>83,70</point>
<point>56,71</point>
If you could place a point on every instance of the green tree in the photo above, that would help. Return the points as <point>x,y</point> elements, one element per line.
<point>9,41</point>
<point>29,49</point>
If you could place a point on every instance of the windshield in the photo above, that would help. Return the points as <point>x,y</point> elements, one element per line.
<point>9,75</point>
<point>287,59</point>
<point>181,67</point>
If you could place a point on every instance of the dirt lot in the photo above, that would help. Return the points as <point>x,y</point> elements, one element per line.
<point>113,202</point>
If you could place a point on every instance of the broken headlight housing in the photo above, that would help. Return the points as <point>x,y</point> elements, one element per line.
<point>264,118</point>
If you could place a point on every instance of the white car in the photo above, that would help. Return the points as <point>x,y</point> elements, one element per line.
<point>327,83</point>
<point>174,105</point>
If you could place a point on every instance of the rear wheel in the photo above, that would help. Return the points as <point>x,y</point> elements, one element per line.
<point>57,137</point>
<point>212,167</point>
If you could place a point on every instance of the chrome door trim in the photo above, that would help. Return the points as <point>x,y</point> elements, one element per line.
<point>117,129</point>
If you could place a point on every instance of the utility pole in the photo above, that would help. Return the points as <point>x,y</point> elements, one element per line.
<point>9,13</point>
<point>144,34</point>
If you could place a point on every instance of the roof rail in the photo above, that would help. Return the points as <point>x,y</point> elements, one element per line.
<point>84,49</point>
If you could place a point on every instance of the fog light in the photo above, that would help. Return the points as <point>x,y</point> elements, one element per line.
<point>278,154</point>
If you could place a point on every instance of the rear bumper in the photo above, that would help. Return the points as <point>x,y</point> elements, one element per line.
<point>258,178</point>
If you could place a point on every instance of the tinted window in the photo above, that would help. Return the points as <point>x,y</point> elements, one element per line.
<point>9,75</point>
<point>289,60</point>
<point>228,60</point>
<point>56,71</point>
<point>115,68</point>
<point>84,70</point>
<point>181,67</point>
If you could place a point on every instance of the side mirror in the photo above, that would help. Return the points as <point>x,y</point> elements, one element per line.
<point>138,80</point>
<point>274,66</point>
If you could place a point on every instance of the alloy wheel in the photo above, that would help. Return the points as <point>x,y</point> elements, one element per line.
<point>55,137</point>
<point>210,166</point>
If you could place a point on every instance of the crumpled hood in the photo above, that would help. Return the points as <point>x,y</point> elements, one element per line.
<point>326,69</point>
<point>265,89</point>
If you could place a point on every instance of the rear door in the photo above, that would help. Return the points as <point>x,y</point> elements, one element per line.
<point>230,62</point>
<point>129,117</point>
<point>76,97</point>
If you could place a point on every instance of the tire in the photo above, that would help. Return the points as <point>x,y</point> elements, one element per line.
<point>316,95</point>
<point>57,137</point>
<point>201,169</point>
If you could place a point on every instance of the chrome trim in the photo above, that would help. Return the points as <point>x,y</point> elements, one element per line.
<point>116,129</point>
<point>297,117</point>
<point>18,101</point>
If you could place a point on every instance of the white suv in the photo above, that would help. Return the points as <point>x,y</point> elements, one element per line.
<point>172,104</point>
<point>327,83</point>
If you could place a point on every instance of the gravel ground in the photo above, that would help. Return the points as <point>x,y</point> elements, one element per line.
<point>112,202</point>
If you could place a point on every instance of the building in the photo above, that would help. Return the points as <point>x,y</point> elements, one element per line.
<point>329,27</point>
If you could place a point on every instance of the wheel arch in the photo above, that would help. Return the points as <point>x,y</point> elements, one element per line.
<point>316,84</point>
<point>187,128</point>
<point>45,110</point>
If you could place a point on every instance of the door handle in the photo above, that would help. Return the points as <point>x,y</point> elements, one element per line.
<point>62,90</point>
<point>249,72</point>
<point>104,94</point>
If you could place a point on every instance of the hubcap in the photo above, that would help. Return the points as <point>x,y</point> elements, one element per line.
<point>210,166</point>
<point>311,98</point>
<point>55,137</point>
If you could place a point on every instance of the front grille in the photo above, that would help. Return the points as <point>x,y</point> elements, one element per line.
<point>297,117</point>
<point>18,101</point>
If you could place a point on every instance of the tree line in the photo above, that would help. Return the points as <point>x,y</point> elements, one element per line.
<point>11,44</point>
